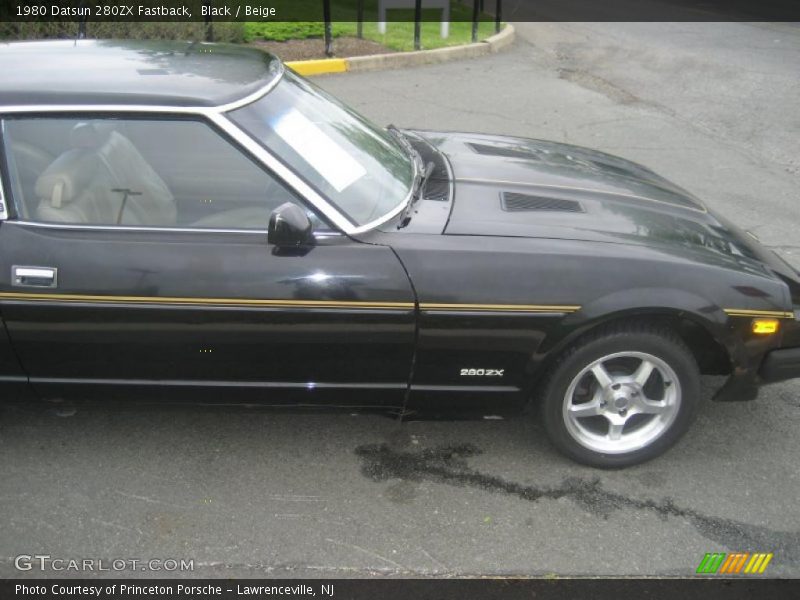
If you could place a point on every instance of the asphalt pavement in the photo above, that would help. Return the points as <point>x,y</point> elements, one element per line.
<point>248,492</point>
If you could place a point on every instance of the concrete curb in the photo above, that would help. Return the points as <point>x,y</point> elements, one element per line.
<point>319,67</point>
<point>399,60</point>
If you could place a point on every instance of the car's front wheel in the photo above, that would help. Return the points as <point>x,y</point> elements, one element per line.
<point>621,396</point>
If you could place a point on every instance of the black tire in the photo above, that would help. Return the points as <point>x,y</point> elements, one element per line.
<point>645,338</point>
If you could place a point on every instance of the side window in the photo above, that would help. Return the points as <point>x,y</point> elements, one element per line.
<point>135,172</point>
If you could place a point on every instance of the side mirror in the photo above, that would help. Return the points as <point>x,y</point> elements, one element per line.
<point>289,226</point>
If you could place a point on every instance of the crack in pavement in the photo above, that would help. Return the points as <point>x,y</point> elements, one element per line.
<point>448,465</point>
<point>598,84</point>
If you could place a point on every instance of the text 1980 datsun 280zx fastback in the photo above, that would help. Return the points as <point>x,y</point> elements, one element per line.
<point>195,220</point>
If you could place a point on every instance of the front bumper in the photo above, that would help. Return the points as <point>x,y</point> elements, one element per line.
<point>780,365</point>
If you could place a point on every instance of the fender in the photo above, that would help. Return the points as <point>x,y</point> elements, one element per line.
<point>654,301</point>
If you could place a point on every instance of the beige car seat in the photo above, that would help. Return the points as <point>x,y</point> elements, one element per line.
<point>88,183</point>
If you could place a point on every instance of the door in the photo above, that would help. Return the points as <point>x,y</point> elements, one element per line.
<point>138,261</point>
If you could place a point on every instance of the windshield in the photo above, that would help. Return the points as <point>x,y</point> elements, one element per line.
<point>357,166</point>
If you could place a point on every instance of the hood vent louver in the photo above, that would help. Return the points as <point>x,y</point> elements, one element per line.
<point>514,202</point>
<point>502,151</point>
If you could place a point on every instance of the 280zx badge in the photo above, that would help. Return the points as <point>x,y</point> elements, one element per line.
<point>482,372</point>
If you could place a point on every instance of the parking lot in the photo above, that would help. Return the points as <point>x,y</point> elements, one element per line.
<point>245,492</point>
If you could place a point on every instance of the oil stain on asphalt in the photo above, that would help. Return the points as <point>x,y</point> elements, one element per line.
<point>449,465</point>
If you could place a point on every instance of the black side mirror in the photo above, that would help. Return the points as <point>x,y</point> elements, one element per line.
<point>289,227</point>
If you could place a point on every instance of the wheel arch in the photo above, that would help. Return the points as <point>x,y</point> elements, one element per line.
<point>699,323</point>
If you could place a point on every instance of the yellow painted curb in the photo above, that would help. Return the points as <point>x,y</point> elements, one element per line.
<point>318,67</point>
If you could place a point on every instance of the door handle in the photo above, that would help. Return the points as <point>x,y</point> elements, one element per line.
<point>34,276</point>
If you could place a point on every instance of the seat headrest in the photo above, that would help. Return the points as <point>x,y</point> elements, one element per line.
<point>90,134</point>
<point>66,177</point>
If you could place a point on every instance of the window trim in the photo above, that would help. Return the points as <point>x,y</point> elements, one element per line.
<point>7,175</point>
<point>218,123</point>
<point>217,116</point>
<point>4,199</point>
<point>319,234</point>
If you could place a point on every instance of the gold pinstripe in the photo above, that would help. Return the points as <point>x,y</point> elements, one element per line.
<point>257,302</point>
<point>500,307</point>
<point>82,298</point>
<point>746,312</point>
<point>204,301</point>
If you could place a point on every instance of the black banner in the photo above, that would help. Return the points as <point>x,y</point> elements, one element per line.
<point>403,589</point>
<point>397,10</point>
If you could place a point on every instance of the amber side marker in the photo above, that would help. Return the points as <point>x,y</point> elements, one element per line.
<point>765,326</point>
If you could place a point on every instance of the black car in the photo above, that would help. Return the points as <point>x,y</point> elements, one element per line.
<point>196,221</point>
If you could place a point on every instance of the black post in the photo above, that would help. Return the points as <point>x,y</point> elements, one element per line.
<point>417,24</point>
<point>475,14</point>
<point>209,23</point>
<point>82,24</point>
<point>326,15</point>
<point>498,15</point>
<point>360,19</point>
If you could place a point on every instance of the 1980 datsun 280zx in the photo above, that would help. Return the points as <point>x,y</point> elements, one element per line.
<point>196,220</point>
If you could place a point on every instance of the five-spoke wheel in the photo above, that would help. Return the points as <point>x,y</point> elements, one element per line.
<point>621,396</point>
<point>622,402</point>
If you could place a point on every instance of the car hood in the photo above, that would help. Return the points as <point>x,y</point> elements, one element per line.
<point>506,186</point>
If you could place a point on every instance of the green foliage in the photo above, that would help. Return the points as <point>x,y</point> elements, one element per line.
<point>400,36</point>
<point>399,32</point>
<point>43,29</point>
<point>280,32</point>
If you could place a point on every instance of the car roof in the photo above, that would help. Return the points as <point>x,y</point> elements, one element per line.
<point>129,72</point>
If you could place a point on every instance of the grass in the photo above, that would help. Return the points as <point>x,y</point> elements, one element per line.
<point>399,33</point>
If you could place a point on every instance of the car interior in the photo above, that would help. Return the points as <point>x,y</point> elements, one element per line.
<point>152,173</point>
